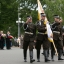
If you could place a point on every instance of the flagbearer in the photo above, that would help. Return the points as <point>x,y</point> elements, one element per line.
<point>42,38</point>
<point>57,36</point>
<point>29,38</point>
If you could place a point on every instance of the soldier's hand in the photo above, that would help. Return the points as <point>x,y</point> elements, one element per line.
<point>51,35</point>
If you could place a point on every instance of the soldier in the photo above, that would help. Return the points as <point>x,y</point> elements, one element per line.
<point>63,40</point>
<point>42,38</point>
<point>57,36</point>
<point>62,34</point>
<point>29,37</point>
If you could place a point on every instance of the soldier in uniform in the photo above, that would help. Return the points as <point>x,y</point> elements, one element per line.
<point>42,38</point>
<point>29,37</point>
<point>57,36</point>
<point>63,35</point>
<point>63,40</point>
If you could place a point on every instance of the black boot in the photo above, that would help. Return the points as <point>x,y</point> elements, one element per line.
<point>47,60</point>
<point>60,59</point>
<point>63,52</point>
<point>38,60</point>
<point>52,55</point>
<point>31,57</point>
<point>59,55</point>
<point>38,55</point>
<point>31,61</point>
<point>25,53</point>
<point>46,56</point>
<point>25,60</point>
<point>42,52</point>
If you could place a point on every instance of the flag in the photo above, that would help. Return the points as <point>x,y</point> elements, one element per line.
<point>39,9</point>
<point>49,31</point>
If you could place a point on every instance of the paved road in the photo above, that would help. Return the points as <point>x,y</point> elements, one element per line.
<point>15,56</point>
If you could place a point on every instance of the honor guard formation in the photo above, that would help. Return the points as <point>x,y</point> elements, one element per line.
<point>36,34</point>
<point>35,37</point>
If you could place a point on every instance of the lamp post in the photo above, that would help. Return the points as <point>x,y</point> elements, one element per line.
<point>19,21</point>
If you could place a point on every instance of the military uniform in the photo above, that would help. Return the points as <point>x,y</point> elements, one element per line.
<point>63,39</point>
<point>57,36</point>
<point>29,37</point>
<point>42,38</point>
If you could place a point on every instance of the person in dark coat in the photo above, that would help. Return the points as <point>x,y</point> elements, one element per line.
<point>2,40</point>
<point>8,40</point>
<point>63,40</point>
<point>57,37</point>
<point>42,38</point>
<point>29,37</point>
<point>63,35</point>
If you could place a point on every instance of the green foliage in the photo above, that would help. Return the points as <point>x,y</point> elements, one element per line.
<point>9,12</point>
<point>8,15</point>
<point>54,7</point>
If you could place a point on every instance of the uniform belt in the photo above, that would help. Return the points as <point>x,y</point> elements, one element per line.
<point>29,33</point>
<point>41,33</point>
<point>56,32</point>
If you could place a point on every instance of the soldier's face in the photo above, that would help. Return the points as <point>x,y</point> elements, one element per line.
<point>43,17</point>
<point>29,19</point>
<point>56,19</point>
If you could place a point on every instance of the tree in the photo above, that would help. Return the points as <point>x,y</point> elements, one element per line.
<point>54,7</point>
<point>8,15</point>
<point>9,12</point>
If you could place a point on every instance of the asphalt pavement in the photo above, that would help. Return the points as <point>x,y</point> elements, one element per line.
<point>15,56</point>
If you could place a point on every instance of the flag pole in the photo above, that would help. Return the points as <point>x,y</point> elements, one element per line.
<point>55,48</point>
<point>40,10</point>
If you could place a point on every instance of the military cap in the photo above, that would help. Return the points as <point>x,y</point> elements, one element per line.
<point>43,14</point>
<point>29,17</point>
<point>57,16</point>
